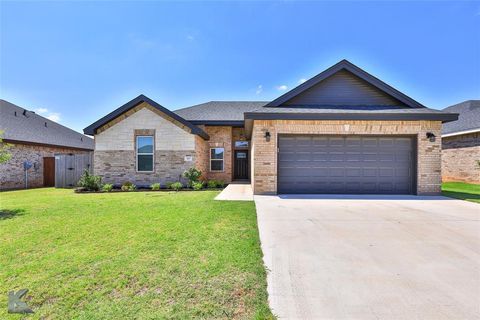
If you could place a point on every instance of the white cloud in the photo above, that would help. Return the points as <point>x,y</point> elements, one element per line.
<point>259,89</point>
<point>190,37</point>
<point>282,87</point>
<point>53,116</point>
<point>302,81</point>
<point>41,110</point>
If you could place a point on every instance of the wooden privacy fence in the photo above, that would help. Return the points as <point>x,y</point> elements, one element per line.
<point>69,168</point>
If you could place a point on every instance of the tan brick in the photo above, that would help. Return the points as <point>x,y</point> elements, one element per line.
<point>265,153</point>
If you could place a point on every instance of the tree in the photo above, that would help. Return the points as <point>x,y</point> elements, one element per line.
<point>4,154</point>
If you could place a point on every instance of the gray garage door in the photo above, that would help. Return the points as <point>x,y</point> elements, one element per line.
<point>346,164</point>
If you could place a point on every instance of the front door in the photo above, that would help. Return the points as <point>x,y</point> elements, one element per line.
<point>241,165</point>
<point>49,171</point>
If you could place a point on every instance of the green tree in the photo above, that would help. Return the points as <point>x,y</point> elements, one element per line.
<point>4,154</point>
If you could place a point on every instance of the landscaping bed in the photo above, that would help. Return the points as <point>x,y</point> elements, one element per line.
<point>130,255</point>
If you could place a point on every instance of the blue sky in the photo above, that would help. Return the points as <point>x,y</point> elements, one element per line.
<point>77,61</point>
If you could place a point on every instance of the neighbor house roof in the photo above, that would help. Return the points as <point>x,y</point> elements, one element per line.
<point>21,125</point>
<point>468,118</point>
<point>91,129</point>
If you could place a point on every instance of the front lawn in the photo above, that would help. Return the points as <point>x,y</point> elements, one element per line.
<point>461,190</point>
<point>148,255</point>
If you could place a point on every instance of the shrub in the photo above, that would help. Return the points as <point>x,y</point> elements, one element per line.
<point>212,184</point>
<point>155,186</point>
<point>197,185</point>
<point>169,185</point>
<point>128,186</point>
<point>220,183</point>
<point>107,187</point>
<point>89,182</point>
<point>176,186</point>
<point>192,175</point>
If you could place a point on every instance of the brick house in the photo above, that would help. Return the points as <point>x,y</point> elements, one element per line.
<point>461,144</point>
<point>342,131</point>
<point>36,140</point>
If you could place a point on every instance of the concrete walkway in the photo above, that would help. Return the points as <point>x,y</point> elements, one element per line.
<point>236,191</point>
<point>373,257</point>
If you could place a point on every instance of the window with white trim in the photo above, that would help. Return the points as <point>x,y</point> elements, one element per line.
<point>145,152</point>
<point>216,159</point>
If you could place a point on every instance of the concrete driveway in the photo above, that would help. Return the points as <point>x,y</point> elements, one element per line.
<point>371,257</point>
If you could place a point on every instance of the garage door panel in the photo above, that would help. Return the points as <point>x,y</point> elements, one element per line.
<point>345,164</point>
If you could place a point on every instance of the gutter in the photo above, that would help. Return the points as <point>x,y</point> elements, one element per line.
<point>444,117</point>
<point>458,133</point>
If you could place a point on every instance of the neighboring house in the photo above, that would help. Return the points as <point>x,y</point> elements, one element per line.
<point>342,131</point>
<point>35,140</point>
<point>461,144</point>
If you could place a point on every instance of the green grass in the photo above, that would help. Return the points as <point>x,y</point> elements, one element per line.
<point>461,190</point>
<point>144,255</point>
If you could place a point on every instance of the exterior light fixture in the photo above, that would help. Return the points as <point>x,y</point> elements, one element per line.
<point>431,136</point>
<point>267,136</point>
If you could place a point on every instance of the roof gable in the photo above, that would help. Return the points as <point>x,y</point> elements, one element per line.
<point>344,84</point>
<point>141,99</point>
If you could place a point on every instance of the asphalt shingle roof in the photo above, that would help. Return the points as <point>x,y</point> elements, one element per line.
<point>34,128</point>
<point>468,117</point>
<point>219,110</point>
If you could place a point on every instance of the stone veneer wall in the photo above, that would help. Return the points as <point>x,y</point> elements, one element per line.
<point>115,154</point>
<point>12,175</point>
<point>461,158</point>
<point>119,166</point>
<point>264,156</point>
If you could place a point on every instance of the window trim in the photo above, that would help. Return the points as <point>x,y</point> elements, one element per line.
<point>223,159</point>
<point>144,154</point>
<point>244,147</point>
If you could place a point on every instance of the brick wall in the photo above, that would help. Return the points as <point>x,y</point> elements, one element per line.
<point>12,175</point>
<point>460,158</point>
<point>264,156</point>
<point>220,137</point>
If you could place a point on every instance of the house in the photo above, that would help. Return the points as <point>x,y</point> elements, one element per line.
<point>34,143</point>
<point>342,131</point>
<point>461,144</point>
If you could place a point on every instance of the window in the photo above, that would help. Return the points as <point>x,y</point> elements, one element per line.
<point>216,159</point>
<point>241,144</point>
<point>145,153</point>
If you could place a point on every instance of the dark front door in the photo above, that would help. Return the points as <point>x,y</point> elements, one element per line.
<point>241,165</point>
<point>49,171</point>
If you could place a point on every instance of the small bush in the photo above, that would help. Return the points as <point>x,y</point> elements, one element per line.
<point>211,184</point>
<point>107,187</point>
<point>176,186</point>
<point>155,186</point>
<point>192,175</point>
<point>89,182</point>
<point>220,183</point>
<point>128,186</point>
<point>197,185</point>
